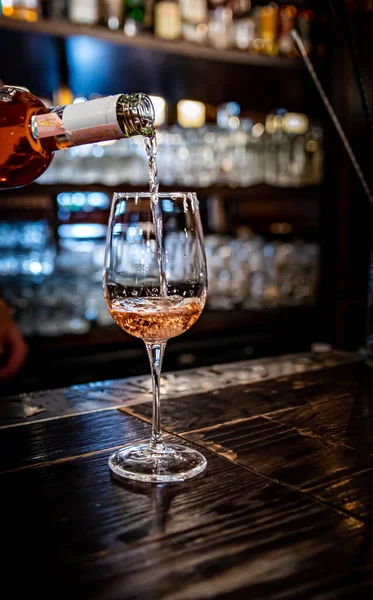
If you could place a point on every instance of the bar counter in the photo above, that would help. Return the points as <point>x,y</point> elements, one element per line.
<point>284,510</point>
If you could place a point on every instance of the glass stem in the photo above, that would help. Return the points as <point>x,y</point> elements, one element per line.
<point>156,353</point>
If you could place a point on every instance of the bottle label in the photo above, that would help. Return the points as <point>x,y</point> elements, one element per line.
<point>47,125</point>
<point>194,11</point>
<point>167,20</point>
<point>92,121</point>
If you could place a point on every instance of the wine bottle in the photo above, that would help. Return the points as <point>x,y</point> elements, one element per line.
<point>194,20</point>
<point>134,17</point>
<point>30,133</point>
<point>149,15</point>
<point>305,19</point>
<point>58,10</point>
<point>285,42</point>
<point>167,19</point>
<point>85,12</point>
<point>113,14</point>
<point>268,16</point>
<point>22,9</point>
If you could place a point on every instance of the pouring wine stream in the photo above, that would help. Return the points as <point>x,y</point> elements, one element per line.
<point>151,147</point>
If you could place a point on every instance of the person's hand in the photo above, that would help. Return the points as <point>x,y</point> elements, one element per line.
<point>13,348</point>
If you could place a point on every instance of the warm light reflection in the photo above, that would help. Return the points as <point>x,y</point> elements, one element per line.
<point>82,231</point>
<point>289,11</point>
<point>27,12</point>
<point>191,113</point>
<point>257,130</point>
<point>159,110</point>
<point>280,228</point>
<point>295,123</point>
<point>63,96</point>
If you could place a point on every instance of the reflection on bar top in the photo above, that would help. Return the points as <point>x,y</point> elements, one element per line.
<point>107,395</point>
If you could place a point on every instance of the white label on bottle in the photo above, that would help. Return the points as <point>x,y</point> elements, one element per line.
<point>92,121</point>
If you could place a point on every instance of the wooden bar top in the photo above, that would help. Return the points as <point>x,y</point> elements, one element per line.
<point>284,510</point>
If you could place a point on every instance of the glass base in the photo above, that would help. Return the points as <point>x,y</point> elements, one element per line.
<point>168,464</point>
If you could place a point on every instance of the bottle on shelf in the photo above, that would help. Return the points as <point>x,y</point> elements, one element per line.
<point>24,10</point>
<point>304,21</point>
<point>220,29</point>
<point>285,41</point>
<point>31,133</point>
<point>60,10</point>
<point>45,9</point>
<point>243,24</point>
<point>84,12</point>
<point>134,14</point>
<point>268,16</point>
<point>167,19</point>
<point>149,15</point>
<point>54,9</point>
<point>241,9</point>
<point>244,34</point>
<point>194,20</point>
<point>113,16</point>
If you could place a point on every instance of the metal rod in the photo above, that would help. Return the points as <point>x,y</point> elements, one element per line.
<point>333,116</point>
<point>340,12</point>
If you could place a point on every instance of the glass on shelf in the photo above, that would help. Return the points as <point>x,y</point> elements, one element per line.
<point>26,250</point>
<point>293,151</point>
<point>236,152</point>
<point>249,272</point>
<point>56,294</point>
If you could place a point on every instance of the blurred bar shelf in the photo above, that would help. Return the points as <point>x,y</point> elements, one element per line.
<point>149,42</point>
<point>260,203</point>
<point>261,189</point>
<point>109,353</point>
<point>287,318</point>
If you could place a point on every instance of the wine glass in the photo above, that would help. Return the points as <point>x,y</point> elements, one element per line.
<point>155,283</point>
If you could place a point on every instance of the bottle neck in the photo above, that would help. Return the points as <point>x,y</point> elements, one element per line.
<point>108,118</point>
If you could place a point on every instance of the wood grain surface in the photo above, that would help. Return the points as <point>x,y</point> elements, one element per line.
<point>284,510</point>
<point>300,460</point>
<point>346,421</point>
<point>240,401</point>
<point>231,532</point>
<point>58,439</point>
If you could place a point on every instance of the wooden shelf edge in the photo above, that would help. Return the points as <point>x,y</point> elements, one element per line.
<point>149,42</point>
<point>36,189</point>
<point>259,205</point>
<point>212,322</point>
